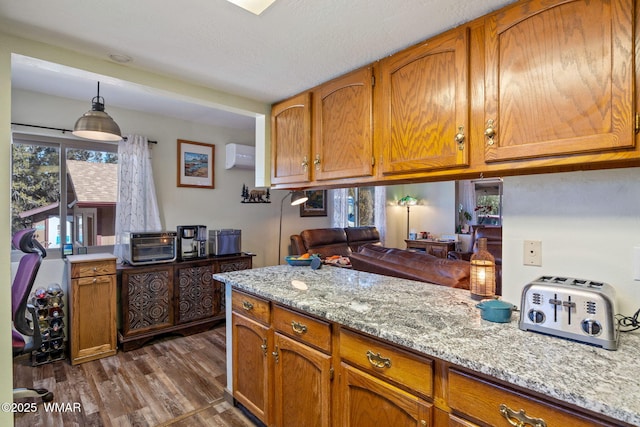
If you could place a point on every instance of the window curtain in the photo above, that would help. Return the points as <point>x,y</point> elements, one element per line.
<point>380,212</point>
<point>137,207</point>
<point>467,198</point>
<point>340,212</point>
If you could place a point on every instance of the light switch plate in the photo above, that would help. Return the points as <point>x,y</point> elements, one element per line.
<point>532,253</point>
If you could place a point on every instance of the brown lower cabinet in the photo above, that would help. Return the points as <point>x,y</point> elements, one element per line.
<point>294,369</point>
<point>282,365</point>
<point>92,311</point>
<point>178,297</point>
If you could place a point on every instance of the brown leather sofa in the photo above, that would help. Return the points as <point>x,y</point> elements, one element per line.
<point>414,265</point>
<point>493,234</point>
<point>333,241</point>
<point>362,246</point>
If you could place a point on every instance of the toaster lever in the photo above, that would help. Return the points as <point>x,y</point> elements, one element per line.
<point>570,305</point>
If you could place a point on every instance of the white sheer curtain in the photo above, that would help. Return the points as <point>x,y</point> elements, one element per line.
<point>467,198</point>
<point>340,213</point>
<point>380,212</point>
<point>137,207</point>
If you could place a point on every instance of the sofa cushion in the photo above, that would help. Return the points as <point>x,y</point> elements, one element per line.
<point>359,236</point>
<point>326,241</point>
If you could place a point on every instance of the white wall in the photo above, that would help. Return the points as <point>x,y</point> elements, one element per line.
<point>588,223</point>
<point>435,211</point>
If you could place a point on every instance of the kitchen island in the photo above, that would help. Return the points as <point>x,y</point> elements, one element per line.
<point>444,324</point>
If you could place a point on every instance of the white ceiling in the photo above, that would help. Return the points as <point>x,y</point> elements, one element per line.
<point>292,46</point>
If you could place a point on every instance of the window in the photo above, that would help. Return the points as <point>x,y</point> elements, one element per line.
<point>361,206</point>
<point>85,198</point>
<point>478,202</point>
<point>488,207</point>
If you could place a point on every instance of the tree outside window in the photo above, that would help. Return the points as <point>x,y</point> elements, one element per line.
<point>86,198</point>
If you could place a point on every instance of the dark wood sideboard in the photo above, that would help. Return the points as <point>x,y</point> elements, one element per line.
<point>179,297</point>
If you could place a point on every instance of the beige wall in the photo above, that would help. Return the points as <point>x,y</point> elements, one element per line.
<point>6,418</point>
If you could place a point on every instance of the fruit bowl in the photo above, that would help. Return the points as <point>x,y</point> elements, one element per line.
<point>293,260</point>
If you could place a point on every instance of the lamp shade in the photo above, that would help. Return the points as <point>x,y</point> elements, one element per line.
<point>96,124</point>
<point>298,198</point>
<point>408,201</point>
<point>482,281</point>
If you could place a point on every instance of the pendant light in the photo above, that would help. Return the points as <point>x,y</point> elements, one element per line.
<point>96,124</point>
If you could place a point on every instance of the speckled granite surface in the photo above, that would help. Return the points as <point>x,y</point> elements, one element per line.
<point>444,323</point>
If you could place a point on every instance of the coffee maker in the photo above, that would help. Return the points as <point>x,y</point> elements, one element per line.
<point>192,241</point>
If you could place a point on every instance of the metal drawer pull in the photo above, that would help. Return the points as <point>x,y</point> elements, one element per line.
<point>520,419</point>
<point>298,327</point>
<point>264,347</point>
<point>276,355</point>
<point>247,305</point>
<point>377,360</point>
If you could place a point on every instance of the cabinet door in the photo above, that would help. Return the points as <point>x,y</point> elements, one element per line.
<point>147,299</point>
<point>197,294</point>
<point>424,105</point>
<point>302,384</point>
<point>343,144</point>
<point>291,140</point>
<point>559,78</point>
<point>93,318</point>
<point>369,401</point>
<point>251,366</point>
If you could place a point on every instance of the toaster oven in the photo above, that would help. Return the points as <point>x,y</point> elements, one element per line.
<point>142,248</point>
<point>576,309</point>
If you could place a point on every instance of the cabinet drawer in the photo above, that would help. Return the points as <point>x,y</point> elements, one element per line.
<point>251,306</point>
<point>303,328</point>
<point>387,361</point>
<point>482,401</point>
<point>90,269</point>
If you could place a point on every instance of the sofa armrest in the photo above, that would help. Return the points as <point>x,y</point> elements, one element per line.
<point>297,245</point>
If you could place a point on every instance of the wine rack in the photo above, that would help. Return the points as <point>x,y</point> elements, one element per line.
<point>49,306</point>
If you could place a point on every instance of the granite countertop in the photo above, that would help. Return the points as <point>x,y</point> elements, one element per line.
<point>444,323</point>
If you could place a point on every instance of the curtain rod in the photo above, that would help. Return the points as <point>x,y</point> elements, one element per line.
<point>64,130</point>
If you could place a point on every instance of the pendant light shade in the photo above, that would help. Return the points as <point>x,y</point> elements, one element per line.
<point>96,124</point>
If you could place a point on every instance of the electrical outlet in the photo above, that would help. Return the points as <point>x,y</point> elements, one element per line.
<point>532,253</point>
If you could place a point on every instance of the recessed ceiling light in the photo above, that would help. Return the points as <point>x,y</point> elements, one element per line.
<point>254,6</point>
<point>121,58</point>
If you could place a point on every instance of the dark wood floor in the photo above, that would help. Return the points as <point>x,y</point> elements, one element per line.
<point>175,381</point>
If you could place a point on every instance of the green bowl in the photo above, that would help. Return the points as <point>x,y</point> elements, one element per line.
<point>291,260</point>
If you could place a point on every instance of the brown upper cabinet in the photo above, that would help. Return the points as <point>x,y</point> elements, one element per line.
<point>291,140</point>
<point>424,105</point>
<point>538,86</point>
<point>559,79</point>
<point>343,127</point>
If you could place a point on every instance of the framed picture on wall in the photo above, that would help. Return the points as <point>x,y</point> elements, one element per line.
<point>316,205</point>
<point>195,164</point>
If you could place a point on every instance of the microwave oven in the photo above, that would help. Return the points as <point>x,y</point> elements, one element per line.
<point>149,247</point>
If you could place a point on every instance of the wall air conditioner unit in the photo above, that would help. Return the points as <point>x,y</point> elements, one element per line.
<point>240,156</point>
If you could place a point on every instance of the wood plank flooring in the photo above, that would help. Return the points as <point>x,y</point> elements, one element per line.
<point>174,381</point>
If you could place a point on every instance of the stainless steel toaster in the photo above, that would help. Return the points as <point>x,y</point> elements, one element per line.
<point>576,309</point>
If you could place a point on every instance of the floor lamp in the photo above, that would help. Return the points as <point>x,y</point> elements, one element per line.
<point>297,198</point>
<point>408,201</point>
